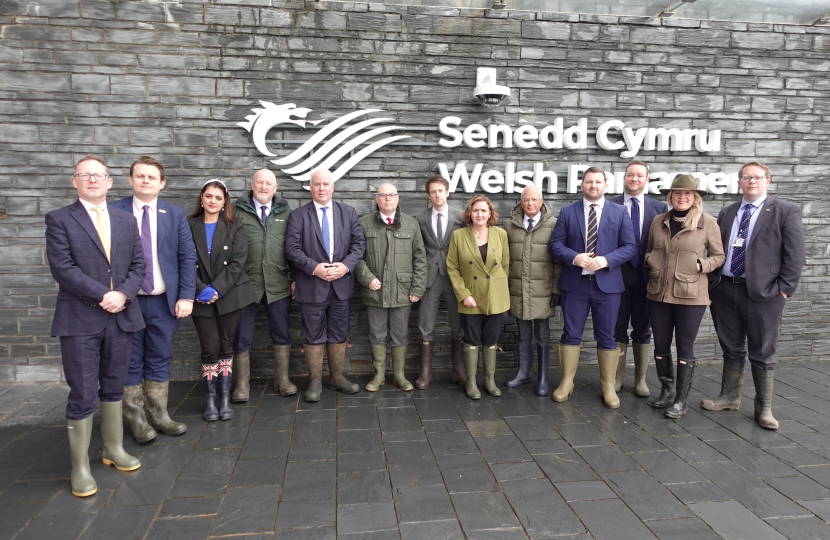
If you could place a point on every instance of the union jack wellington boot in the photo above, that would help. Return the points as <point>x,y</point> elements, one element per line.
<point>210,373</point>
<point>225,369</point>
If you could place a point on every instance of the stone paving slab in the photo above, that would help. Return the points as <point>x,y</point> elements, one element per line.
<point>435,465</point>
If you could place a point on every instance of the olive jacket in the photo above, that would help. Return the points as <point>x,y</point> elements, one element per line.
<point>470,276</point>
<point>266,264</point>
<point>672,262</point>
<point>395,255</point>
<point>534,273</point>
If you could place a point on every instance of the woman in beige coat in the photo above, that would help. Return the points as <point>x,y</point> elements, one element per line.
<point>684,245</point>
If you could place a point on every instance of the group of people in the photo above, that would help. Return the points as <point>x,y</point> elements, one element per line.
<point>130,270</point>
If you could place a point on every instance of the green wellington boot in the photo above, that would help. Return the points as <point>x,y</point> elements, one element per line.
<point>158,417</point>
<point>282,360</point>
<point>731,384</point>
<point>642,352</point>
<point>470,366</point>
<point>336,353</point>
<point>488,358</point>
<point>620,376</point>
<point>608,360</point>
<point>379,363</point>
<point>398,362</point>
<point>80,431</point>
<point>314,360</point>
<point>112,431</point>
<point>134,413</point>
<point>242,374</point>
<point>568,362</point>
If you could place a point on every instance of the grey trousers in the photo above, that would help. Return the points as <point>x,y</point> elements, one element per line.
<point>428,309</point>
<point>391,323</point>
<point>539,327</point>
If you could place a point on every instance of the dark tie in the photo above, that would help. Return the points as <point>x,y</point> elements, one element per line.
<point>147,246</point>
<point>591,244</point>
<point>635,222</point>
<point>529,224</point>
<point>440,229</point>
<point>326,240</point>
<point>739,253</point>
<point>264,216</point>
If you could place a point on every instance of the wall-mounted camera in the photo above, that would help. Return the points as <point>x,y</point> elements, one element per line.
<point>487,92</point>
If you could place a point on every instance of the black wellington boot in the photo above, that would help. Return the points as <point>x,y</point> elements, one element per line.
<point>665,372</point>
<point>685,374</point>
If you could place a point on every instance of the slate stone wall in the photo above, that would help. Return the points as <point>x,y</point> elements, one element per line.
<point>173,78</point>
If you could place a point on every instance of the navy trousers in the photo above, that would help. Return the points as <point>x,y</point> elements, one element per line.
<point>634,307</point>
<point>278,324</point>
<point>325,322</point>
<point>95,368</point>
<point>153,346</point>
<point>603,307</point>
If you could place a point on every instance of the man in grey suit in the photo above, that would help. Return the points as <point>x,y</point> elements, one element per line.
<point>438,222</point>
<point>764,239</point>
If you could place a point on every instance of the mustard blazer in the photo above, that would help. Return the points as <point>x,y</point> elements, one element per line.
<point>487,284</point>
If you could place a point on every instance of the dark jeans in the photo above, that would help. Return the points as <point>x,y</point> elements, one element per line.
<point>216,334</point>
<point>538,327</point>
<point>482,329</point>
<point>682,320</point>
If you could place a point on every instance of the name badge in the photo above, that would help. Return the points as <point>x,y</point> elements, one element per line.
<point>738,242</point>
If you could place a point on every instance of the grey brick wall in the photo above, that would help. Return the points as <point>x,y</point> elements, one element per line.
<point>173,78</point>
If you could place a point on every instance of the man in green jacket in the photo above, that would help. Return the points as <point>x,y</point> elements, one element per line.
<point>265,215</point>
<point>393,275</point>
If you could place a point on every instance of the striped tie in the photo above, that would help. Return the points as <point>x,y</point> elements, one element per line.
<point>591,244</point>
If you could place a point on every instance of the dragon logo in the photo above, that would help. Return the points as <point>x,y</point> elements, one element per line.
<point>335,140</point>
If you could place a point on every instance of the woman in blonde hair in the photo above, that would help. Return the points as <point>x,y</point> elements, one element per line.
<point>684,244</point>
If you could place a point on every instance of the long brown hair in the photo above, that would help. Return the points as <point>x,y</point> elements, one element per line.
<point>226,212</point>
<point>468,211</point>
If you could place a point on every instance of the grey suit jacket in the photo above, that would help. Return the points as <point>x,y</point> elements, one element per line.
<point>437,253</point>
<point>775,254</point>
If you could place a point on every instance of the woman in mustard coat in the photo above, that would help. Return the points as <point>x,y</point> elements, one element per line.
<point>477,264</point>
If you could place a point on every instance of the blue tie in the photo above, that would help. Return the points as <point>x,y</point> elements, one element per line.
<point>739,253</point>
<point>326,240</point>
<point>635,221</point>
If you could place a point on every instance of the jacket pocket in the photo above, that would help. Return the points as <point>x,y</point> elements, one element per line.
<point>404,286</point>
<point>655,282</point>
<point>656,255</point>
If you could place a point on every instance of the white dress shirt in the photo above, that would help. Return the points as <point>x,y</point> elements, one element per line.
<point>445,217</point>
<point>535,219</point>
<point>258,207</point>
<point>386,219</point>
<point>94,217</point>
<point>330,218</point>
<point>627,203</point>
<point>138,212</point>
<point>586,207</point>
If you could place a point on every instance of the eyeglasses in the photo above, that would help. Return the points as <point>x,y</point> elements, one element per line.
<point>85,177</point>
<point>534,200</point>
<point>387,196</point>
<point>752,178</point>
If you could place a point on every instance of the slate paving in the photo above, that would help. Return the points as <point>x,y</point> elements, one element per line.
<point>434,465</point>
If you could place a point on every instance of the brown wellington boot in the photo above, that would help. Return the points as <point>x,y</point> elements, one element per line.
<point>731,383</point>
<point>158,417</point>
<point>282,356</point>
<point>568,362</point>
<point>620,376</point>
<point>134,413</point>
<point>336,353</point>
<point>763,380</point>
<point>642,352</point>
<point>314,360</point>
<point>425,353</point>
<point>459,374</point>
<point>379,363</point>
<point>608,360</point>
<point>398,374</point>
<point>242,374</point>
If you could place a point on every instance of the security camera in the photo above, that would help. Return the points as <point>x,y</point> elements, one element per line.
<point>487,92</point>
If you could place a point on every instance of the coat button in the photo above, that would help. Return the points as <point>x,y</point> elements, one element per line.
<point>225,247</point>
<point>471,262</point>
<point>475,277</point>
<point>225,263</point>
<point>197,266</point>
<point>108,271</point>
<point>488,277</point>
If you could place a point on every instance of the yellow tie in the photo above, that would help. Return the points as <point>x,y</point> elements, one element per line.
<point>103,233</point>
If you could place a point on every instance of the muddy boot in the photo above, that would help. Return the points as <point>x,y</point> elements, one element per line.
<point>568,361</point>
<point>642,351</point>
<point>763,380</point>
<point>379,363</point>
<point>685,375</point>
<point>524,373</point>
<point>398,363</point>
<point>80,431</point>
<point>223,385</point>
<point>157,393</point>
<point>242,363</point>
<point>282,356</point>
<point>488,358</point>
<point>112,431</point>
<point>665,372</point>
<point>210,373</point>
<point>425,353</point>
<point>459,373</point>
<point>337,357</point>
<point>470,366</point>
<point>543,357</point>
<point>731,383</point>
<point>314,360</point>
<point>134,413</point>
<point>608,360</point>
<point>620,373</point>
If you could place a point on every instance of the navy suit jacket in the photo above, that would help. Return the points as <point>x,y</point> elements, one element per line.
<point>615,242</point>
<point>652,209</point>
<point>175,250</point>
<point>79,265</point>
<point>304,249</point>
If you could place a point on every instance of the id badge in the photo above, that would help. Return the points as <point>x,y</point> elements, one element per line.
<point>738,242</point>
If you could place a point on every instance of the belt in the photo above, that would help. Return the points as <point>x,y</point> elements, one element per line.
<point>734,279</point>
<point>589,277</point>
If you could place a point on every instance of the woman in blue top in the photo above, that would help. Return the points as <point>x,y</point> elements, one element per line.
<point>222,290</point>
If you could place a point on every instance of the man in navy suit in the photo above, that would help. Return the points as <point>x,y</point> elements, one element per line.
<point>324,241</point>
<point>633,303</point>
<point>592,239</point>
<point>166,296</point>
<point>96,258</point>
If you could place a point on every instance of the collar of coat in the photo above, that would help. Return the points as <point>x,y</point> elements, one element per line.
<point>396,220</point>
<point>669,215</point>
<point>278,204</point>
<point>517,215</point>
